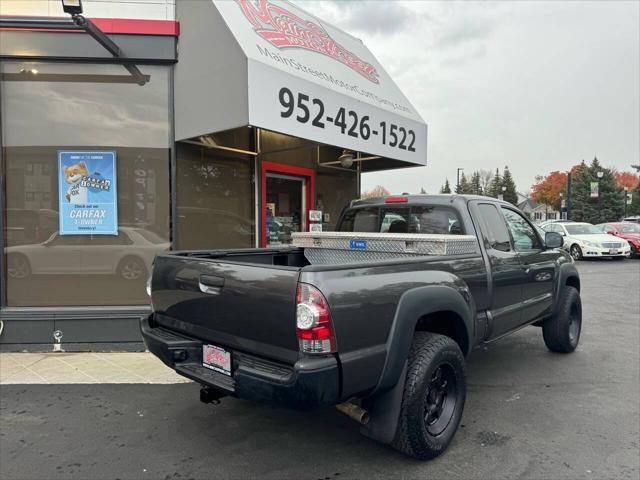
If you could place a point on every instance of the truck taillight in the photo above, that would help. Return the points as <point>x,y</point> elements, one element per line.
<point>313,321</point>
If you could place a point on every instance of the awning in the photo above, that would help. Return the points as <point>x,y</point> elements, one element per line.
<point>272,65</point>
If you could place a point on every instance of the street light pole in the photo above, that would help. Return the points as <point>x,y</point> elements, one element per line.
<point>569,195</point>
<point>458,178</point>
<point>600,174</point>
<point>626,189</point>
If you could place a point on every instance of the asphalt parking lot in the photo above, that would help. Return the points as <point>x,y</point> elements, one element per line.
<point>530,414</point>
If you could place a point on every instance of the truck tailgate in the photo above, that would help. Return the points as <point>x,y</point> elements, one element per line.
<point>243,307</point>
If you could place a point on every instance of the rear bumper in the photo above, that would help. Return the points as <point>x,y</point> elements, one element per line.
<point>309,383</point>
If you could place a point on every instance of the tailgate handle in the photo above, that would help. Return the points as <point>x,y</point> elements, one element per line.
<point>210,284</point>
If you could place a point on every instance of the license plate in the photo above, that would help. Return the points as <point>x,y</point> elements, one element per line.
<point>216,358</point>
<point>613,251</point>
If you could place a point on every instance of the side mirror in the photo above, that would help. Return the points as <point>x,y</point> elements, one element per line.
<point>553,240</point>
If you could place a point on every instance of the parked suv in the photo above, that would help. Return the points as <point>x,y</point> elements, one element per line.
<point>585,240</point>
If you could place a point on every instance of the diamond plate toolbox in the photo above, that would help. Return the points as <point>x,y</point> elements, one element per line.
<point>333,248</point>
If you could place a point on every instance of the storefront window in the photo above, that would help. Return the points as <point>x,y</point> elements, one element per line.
<point>48,108</point>
<point>215,199</point>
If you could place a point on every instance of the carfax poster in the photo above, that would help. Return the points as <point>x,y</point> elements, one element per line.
<point>87,193</point>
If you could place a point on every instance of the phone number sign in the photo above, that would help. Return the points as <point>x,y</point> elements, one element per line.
<point>304,109</point>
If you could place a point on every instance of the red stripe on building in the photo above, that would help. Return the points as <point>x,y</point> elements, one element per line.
<point>123,26</point>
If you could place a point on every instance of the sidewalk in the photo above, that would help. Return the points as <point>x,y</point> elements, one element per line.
<point>60,367</point>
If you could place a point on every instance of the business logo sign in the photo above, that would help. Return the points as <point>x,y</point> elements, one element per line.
<point>87,194</point>
<point>284,29</point>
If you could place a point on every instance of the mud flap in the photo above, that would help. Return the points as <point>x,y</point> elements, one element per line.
<point>384,412</point>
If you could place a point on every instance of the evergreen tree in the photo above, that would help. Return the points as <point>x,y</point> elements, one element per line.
<point>446,188</point>
<point>422,191</point>
<point>464,186</point>
<point>476,187</point>
<point>510,194</point>
<point>608,206</point>
<point>496,185</point>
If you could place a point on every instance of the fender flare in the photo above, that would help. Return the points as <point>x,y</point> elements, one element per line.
<point>566,271</point>
<point>413,305</point>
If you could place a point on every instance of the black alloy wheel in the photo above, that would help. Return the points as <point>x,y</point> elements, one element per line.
<point>440,401</point>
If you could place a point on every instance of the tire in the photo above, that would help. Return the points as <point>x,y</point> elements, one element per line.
<point>132,269</point>
<point>433,398</point>
<point>18,266</point>
<point>576,252</point>
<point>561,332</point>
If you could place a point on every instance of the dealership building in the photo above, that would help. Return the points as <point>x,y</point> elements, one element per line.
<point>172,125</point>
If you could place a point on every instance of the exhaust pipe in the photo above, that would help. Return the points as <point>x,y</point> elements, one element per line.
<point>355,412</point>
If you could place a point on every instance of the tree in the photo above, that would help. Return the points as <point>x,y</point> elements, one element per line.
<point>486,177</point>
<point>548,189</point>
<point>510,194</point>
<point>627,179</point>
<point>476,187</point>
<point>446,188</point>
<point>607,206</point>
<point>464,186</point>
<point>422,191</point>
<point>377,191</point>
<point>495,188</point>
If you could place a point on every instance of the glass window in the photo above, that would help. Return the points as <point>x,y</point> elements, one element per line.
<point>524,236</point>
<point>582,229</point>
<point>215,196</point>
<point>82,107</point>
<point>394,220</point>
<point>435,220</point>
<point>494,229</point>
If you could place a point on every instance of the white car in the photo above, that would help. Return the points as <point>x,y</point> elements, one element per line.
<point>128,254</point>
<point>584,240</point>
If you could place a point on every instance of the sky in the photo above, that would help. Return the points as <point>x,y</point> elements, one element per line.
<point>537,86</point>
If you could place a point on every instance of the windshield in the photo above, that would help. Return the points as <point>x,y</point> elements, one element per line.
<point>629,228</point>
<point>584,229</point>
<point>150,236</point>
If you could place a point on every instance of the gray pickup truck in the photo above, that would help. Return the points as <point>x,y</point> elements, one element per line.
<point>375,318</point>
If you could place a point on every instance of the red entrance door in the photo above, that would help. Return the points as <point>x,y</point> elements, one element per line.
<point>287,197</point>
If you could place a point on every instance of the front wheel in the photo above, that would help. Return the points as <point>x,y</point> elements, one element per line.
<point>18,266</point>
<point>561,332</point>
<point>576,252</point>
<point>433,398</point>
<point>132,268</point>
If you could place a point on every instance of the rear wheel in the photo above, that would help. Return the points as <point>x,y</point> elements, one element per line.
<point>561,332</point>
<point>576,252</point>
<point>433,399</point>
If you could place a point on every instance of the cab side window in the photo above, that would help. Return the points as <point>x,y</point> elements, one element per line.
<point>524,236</point>
<point>494,230</point>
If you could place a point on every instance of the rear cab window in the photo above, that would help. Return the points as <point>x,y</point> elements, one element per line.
<point>426,219</point>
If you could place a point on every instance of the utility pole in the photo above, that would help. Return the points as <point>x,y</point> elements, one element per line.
<point>458,178</point>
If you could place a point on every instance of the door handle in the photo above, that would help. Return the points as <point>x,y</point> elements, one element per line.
<point>210,284</point>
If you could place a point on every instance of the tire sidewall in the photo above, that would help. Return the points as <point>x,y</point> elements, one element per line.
<point>556,329</point>
<point>452,356</point>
